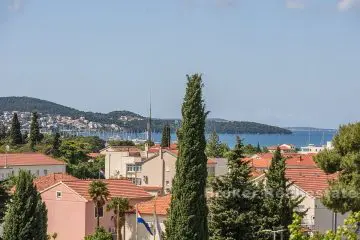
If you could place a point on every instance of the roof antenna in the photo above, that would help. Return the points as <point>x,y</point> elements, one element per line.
<point>149,124</point>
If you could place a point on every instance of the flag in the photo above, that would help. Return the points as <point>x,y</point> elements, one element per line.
<point>142,221</point>
<point>157,227</point>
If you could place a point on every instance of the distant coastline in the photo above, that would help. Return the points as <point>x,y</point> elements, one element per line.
<point>311,129</point>
<point>55,115</point>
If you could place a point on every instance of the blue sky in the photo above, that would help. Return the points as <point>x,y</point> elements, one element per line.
<point>288,63</point>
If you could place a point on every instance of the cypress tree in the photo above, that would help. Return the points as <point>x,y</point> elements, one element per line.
<point>233,211</point>
<point>26,216</point>
<point>166,136</point>
<point>35,136</point>
<point>188,210</point>
<point>56,144</point>
<point>15,131</point>
<point>2,131</point>
<point>279,204</point>
<point>258,148</point>
<point>25,137</point>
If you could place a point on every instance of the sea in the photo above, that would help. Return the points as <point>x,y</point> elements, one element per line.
<point>297,138</point>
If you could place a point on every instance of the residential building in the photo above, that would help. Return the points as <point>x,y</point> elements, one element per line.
<point>311,148</point>
<point>153,168</point>
<point>159,205</point>
<point>44,182</point>
<point>262,161</point>
<point>71,211</point>
<point>284,148</point>
<point>37,163</point>
<point>310,183</point>
<point>218,166</point>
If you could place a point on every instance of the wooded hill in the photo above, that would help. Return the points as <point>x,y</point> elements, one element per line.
<point>27,104</point>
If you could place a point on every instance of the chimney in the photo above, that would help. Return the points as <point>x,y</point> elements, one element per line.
<point>300,159</point>
<point>160,153</point>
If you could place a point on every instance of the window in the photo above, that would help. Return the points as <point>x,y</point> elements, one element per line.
<point>101,212</point>
<point>37,172</point>
<point>133,168</point>
<point>58,195</point>
<point>136,181</point>
<point>167,183</point>
<point>45,172</point>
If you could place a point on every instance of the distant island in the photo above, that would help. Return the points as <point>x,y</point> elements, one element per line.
<point>56,115</point>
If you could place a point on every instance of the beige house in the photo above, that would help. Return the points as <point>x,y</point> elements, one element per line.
<point>153,169</point>
<point>310,183</point>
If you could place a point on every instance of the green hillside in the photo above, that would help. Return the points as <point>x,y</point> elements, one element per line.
<point>27,104</point>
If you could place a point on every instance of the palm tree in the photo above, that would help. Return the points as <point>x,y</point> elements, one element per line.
<point>119,206</point>
<point>99,193</point>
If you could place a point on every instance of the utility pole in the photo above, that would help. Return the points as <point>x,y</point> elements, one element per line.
<point>7,149</point>
<point>335,221</point>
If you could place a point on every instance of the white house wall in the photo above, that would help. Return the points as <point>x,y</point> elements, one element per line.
<point>116,162</point>
<point>308,204</point>
<point>37,170</point>
<point>130,227</point>
<point>324,218</point>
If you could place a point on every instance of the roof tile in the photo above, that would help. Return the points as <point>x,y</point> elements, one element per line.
<point>162,205</point>
<point>27,159</point>
<point>117,187</point>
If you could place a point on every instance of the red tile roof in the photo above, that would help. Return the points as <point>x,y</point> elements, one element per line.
<point>314,181</point>
<point>152,188</point>
<point>28,159</point>
<point>44,182</point>
<point>293,160</point>
<point>117,188</point>
<point>173,146</point>
<point>301,160</point>
<point>211,161</point>
<point>162,205</point>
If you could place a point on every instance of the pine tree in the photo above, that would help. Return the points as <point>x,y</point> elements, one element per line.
<point>343,159</point>
<point>26,216</point>
<point>166,136</point>
<point>15,131</point>
<point>35,136</point>
<point>233,211</point>
<point>213,147</point>
<point>279,204</point>
<point>188,210</point>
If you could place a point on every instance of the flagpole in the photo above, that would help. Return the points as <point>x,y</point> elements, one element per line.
<point>155,222</point>
<point>136,225</point>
